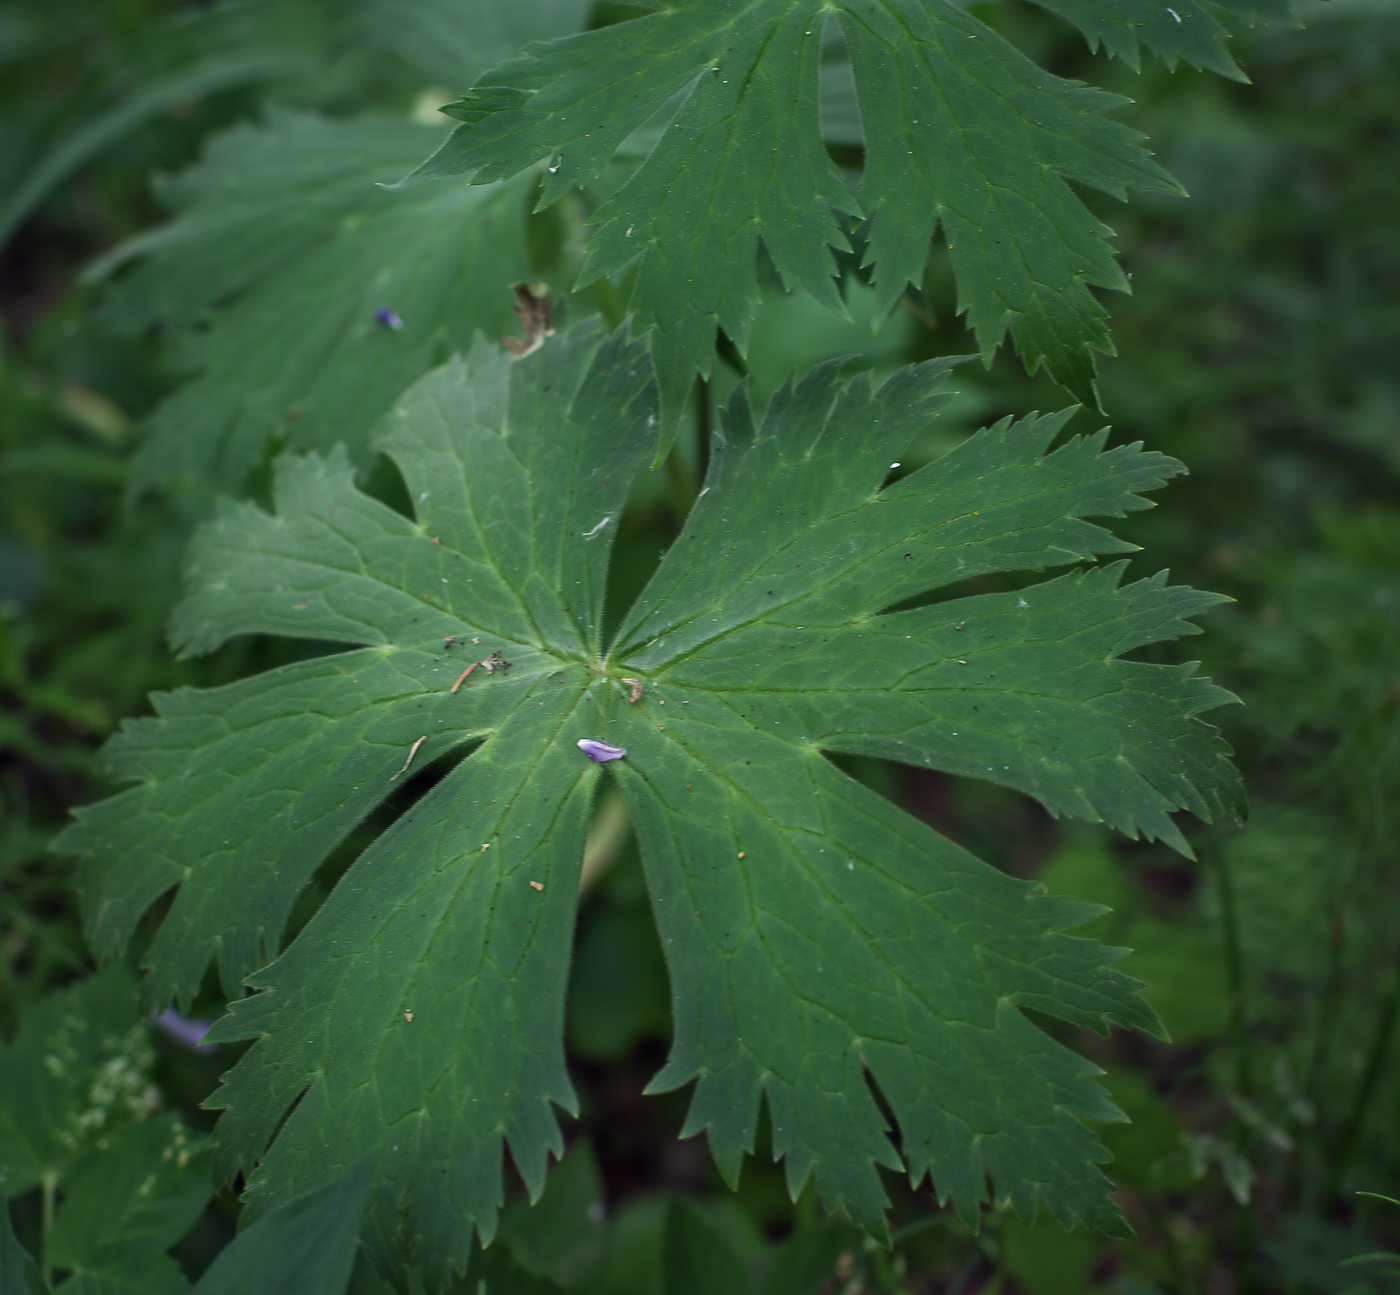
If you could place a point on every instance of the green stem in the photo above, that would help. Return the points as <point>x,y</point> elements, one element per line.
<point>610,305</point>
<point>607,834</point>
<point>1171,1248</point>
<point>1328,1012</point>
<point>1370,1079</point>
<point>48,1185</point>
<point>913,1229</point>
<point>1324,1039</point>
<point>1244,1072</point>
<point>704,427</point>
<point>682,487</point>
<point>884,1271</point>
<point>1234,970</point>
<point>1244,1266</point>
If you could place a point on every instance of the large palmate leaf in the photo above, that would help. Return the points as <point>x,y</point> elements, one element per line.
<point>820,941</point>
<point>303,297</point>
<point>962,132</point>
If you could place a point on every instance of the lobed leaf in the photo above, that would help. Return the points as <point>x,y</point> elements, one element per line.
<point>1194,31</point>
<point>962,133</point>
<point>307,1247</point>
<point>125,1206</point>
<point>77,1070</point>
<point>822,944</point>
<point>302,297</point>
<point>454,41</point>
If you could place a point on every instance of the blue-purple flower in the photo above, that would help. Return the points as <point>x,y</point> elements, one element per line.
<point>602,752</point>
<point>184,1030</point>
<point>388,318</point>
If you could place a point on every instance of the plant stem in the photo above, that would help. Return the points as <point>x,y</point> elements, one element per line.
<point>1329,1014</point>
<point>1234,969</point>
<point>682,485</point>
<point>1171,1247</point>
<point>1244,1267</point>
<point>704,427</point>
<point>1366,1088</point>
<point>610,305</point>
<point>48,1185</point>
<point>607,834</point>
<point>1328,1010</point>
<point>912,1229</point>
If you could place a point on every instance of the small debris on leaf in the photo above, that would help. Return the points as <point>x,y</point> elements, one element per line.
<point>490,664</point>
<point>536,318</point>
<point>412,751</point>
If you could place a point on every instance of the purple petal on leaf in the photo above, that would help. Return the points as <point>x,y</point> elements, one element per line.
<point>388,318</point>
<point>183,1030</point>
<point>602,752</point>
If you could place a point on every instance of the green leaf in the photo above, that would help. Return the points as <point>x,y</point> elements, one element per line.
<point>1046,1260</point>
<point>1192,31</point>
<point>696,1259</point>
<point>1182,968</point>
<point>808,1261</point>
<point>125,1205</point>
<point>75,1094</point>
<point>962,132</point>
<point>176,61</point>
<point>496,1272</point>
<point>819,940</point>
<point>306,1247</point>
<point>455,41</point>
<point>1147,1153</point>
<point>271,276</point>
<point>19,1274</point>
<point>77,1070</point>
<point>560,1235</point>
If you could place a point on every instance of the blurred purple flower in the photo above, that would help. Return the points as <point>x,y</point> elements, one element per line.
<point>600,751</point>
<point>183,1030</point>
<point>388,318</point>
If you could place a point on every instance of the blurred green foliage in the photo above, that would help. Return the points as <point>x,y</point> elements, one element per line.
<point>1259,346</point>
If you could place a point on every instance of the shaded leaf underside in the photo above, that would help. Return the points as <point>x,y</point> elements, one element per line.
<point>817,937</point>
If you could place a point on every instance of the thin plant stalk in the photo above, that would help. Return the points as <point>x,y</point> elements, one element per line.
<point>1366,1088</point>
<point>1234,970</point>
<point>48,1187</point>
